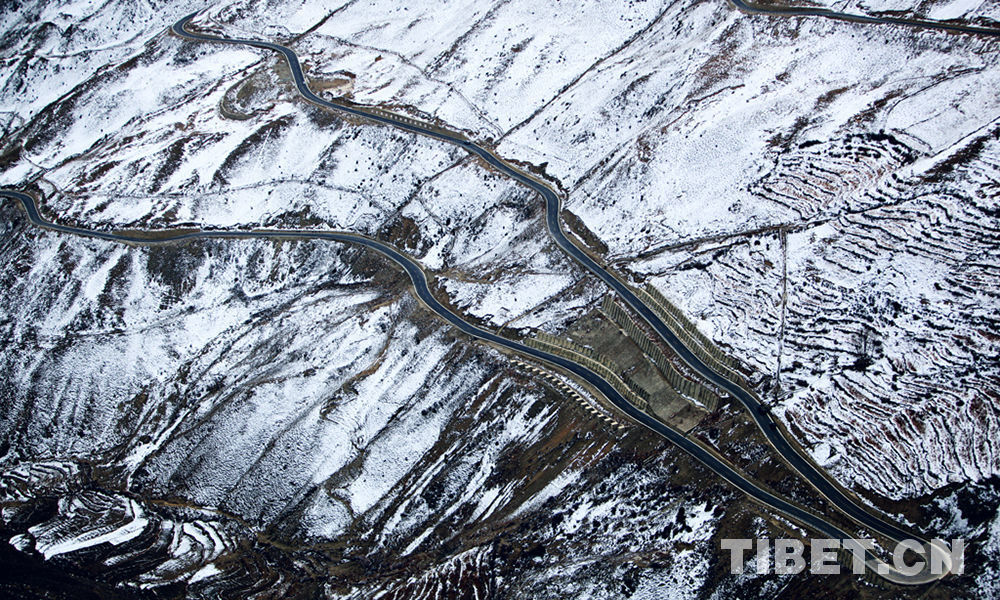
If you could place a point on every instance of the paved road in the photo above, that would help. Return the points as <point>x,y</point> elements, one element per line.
<point>552,202</point>
<point>807,11</point>
<point>553,224</point>
<point>419,280</point>
<point>760,414</point>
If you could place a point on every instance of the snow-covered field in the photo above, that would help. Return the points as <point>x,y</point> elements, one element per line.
<point>819,197</point>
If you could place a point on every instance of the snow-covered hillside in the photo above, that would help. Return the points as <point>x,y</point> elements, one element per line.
<point>248,417</point>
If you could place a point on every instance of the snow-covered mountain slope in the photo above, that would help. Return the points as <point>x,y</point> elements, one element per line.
<point>820,197</point>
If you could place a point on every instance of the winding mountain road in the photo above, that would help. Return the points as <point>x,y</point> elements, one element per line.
<point>761,417</point>
<point>419,280</point>
<point>812,11</point>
